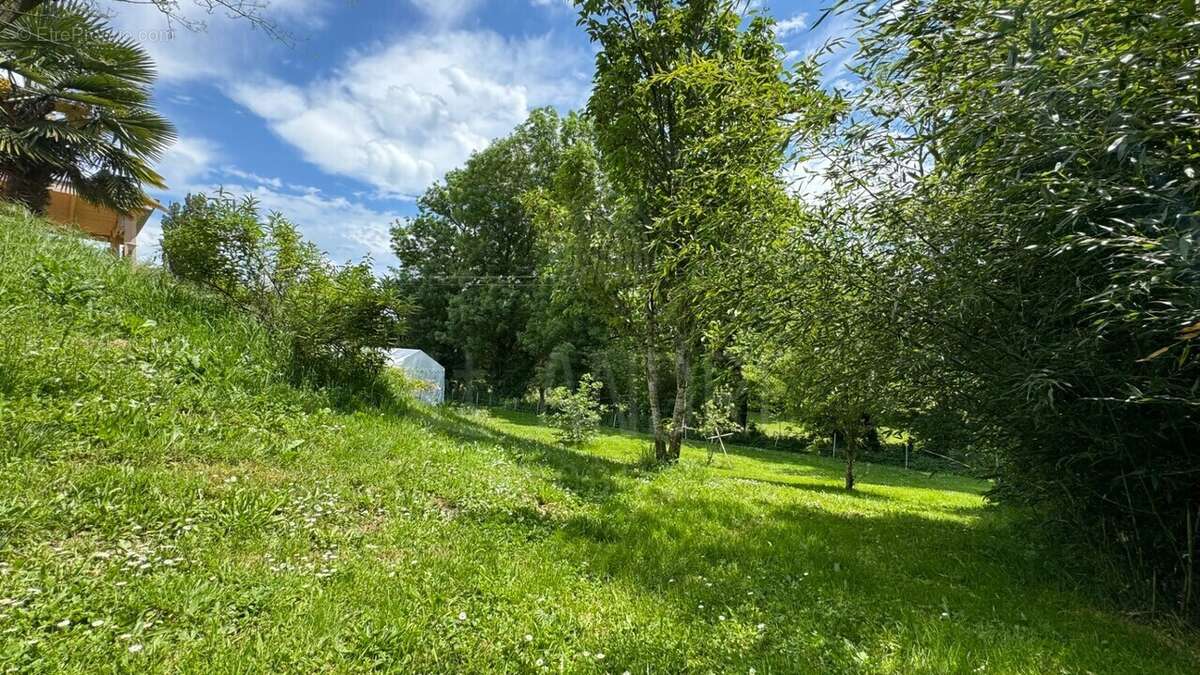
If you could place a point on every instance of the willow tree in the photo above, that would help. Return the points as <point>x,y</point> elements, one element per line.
<point>694,112</point>
<point>1028,175</point>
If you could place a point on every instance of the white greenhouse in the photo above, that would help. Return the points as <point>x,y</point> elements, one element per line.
<point>421,367</point>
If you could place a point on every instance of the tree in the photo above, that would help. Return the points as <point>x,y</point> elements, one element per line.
<point>828,348</point>
<point>1021,184</point>
<point>716,419</point>
<point>471,257</point>
<point>577,413</point>
<point>592,269</point>
<point>487,272</point>
<point>693,115</point>
<point>75,104</point>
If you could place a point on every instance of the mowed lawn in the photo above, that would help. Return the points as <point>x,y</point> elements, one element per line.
<point>170,503</point>
<point>456,541</point>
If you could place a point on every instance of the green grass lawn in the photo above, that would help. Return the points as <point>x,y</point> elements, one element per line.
<point>776,428</point>
<point>168,505</point>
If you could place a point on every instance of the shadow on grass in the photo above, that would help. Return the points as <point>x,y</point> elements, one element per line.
<point>868,473</point>
<point>927,594</point>
<point>588,476</point>
<point>784,462</point>
<point>781,463</point>
<point>890,583</point>
<point>821,489</point>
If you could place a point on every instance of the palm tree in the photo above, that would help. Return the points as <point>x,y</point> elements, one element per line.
<point>75,108</point>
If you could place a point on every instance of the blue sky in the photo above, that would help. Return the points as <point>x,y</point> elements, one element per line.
<point>376,100</point>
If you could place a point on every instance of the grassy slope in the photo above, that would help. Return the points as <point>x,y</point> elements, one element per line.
<point>163,492</point>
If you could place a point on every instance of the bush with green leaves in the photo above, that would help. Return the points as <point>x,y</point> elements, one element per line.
<point>576,413</point>
<point>332,320</point>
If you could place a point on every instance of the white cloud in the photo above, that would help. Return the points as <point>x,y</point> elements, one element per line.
<point>399,117</point>
<point>269,181</point>
<point>795,24</point>
<point>809,178</point>
<point>345,229</point>
<point>188,160</point>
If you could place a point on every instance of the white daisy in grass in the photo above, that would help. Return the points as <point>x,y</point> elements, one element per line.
<point>462,616</point>
<point>135,648</point>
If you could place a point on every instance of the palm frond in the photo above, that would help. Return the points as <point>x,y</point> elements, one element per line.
<point>79,103</point>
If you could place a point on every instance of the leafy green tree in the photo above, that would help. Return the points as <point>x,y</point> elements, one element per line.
<point>1020,186</point>
<point>716,419</point>
<point>471,258</point>
<point>693,114</point>
<point>75,107</point>
<point>591,271</point>
<point>829,352</point>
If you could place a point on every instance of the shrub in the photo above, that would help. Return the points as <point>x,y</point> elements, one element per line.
<point>331,320</point>
<point>576,413</point>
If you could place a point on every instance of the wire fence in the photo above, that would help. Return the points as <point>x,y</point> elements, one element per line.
<point>900,454</point>
<point>617,420</point>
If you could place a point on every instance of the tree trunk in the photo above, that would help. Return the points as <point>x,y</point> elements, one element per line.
<point>850,452</point>
<point>660,443</point>
<point>29,186</point>
<point>635,413</point>
<point>614,394</point>
<point>742,396</point>
<point>683,378</point>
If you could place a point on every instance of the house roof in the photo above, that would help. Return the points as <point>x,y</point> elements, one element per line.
<point>66,206</point>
